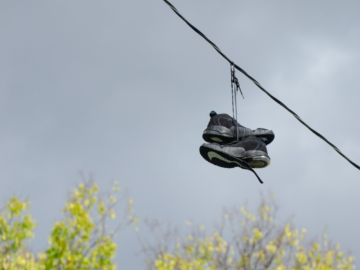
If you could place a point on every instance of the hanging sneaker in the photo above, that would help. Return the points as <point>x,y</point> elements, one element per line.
<point>251,150</point>
<point>222,129</point>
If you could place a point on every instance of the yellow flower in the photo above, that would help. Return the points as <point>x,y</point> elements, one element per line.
<point>257,233</point>
<point>271,247</point>
<point>329,257</point>
<point>302,258</point>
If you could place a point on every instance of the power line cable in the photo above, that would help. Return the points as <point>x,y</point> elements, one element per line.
<point>258,85</point>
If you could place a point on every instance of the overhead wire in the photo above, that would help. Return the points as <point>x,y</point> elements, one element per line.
<point>262,88</point>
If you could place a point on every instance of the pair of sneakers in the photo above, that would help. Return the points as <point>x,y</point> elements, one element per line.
<point>224,150</point>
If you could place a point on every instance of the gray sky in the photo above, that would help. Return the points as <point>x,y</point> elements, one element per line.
<point>123,89</point>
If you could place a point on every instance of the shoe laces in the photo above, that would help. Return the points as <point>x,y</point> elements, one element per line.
<point>246,166</point>
<point>235,86</point>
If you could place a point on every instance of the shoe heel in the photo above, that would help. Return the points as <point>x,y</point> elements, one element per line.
<point>258,162</point>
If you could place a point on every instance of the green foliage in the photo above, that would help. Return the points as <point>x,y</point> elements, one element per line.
<point>246,241</point>
<point>82,241</point>
<point>79,241</point>
<point>15,228</point>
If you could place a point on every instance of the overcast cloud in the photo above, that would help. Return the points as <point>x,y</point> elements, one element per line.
<point>123,89</point>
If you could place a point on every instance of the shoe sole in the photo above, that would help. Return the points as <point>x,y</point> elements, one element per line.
<point>211,136</point>
<point>215,136</point>
<point>224,160</point>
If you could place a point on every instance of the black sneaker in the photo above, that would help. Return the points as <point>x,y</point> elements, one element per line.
<point>247,154</point>
<point>251,150</point>
<point>222,129</point>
